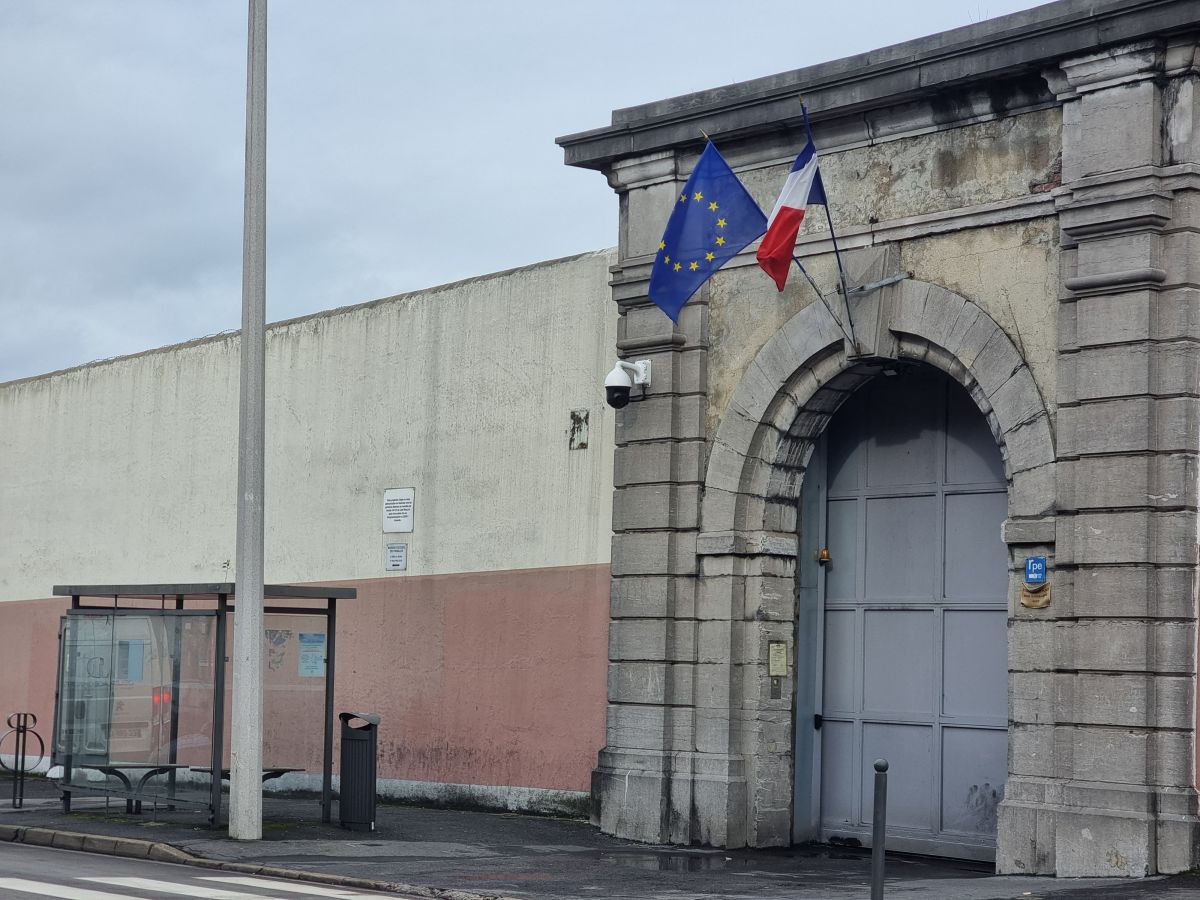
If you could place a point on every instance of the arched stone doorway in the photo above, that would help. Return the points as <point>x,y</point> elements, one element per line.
<point>756,470</point>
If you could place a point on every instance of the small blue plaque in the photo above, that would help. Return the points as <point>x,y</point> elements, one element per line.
<point>1035,570</point>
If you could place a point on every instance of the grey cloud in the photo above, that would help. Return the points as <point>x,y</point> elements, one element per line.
<point>409,144</point>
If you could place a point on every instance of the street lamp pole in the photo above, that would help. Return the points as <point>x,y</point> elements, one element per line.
<point>245,757</point>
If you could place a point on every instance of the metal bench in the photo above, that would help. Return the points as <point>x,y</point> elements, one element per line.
<point>133,794</point>
<point>268,772</point>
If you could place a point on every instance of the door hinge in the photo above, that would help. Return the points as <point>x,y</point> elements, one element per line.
<point>817,721</point>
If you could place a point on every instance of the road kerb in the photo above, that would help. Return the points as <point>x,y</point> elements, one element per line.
<point>168,853</point>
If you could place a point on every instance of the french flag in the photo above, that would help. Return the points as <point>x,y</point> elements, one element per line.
<point>803,186</point>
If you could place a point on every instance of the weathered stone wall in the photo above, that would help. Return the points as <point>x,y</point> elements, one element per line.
<point>689,719</point>
<point>1036,176</point>
<point>946,197</point>
<point>1010,269</point>
<point>908,174</point>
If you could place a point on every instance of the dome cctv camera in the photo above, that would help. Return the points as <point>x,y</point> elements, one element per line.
<point>617,386</point>
<point>620,381</point>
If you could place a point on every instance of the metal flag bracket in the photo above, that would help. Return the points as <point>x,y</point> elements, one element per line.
<point>881,283</point>
<point>857,350</point>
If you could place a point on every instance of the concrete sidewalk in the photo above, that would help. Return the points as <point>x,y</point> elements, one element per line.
<point>455,854</point>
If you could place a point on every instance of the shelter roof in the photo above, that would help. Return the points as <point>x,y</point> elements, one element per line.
<point>206,591</point>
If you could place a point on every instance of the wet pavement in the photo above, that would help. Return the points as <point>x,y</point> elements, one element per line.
<point>503,854</point>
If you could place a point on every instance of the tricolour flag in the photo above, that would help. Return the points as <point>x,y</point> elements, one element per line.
<point>713,219</point>
<point>803,187</point>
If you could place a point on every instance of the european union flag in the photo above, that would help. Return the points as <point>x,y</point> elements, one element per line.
<point>714,218</point>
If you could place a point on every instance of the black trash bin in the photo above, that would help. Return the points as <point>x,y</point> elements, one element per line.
<point>356,800</point>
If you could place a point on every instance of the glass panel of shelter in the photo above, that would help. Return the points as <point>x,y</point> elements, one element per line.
<point>294,652</point>
<point>135,695</point>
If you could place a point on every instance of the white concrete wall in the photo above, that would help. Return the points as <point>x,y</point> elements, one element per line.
<point>125,471</point>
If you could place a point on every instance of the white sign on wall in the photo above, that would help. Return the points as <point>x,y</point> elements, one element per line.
<point>398,510</point>
<point>395,558</point>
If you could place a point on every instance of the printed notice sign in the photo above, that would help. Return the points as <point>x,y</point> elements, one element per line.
<point>395,558</point>
<point>312,655</point>
<point>398,510</point>
<point>777,658</point>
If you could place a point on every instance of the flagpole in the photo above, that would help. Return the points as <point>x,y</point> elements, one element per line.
<point>804,272</point>
<point>837,253</point>
<point>246,725</point>
<point>845,291</point>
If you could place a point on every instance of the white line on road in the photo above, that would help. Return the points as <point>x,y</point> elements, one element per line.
<point>167,887</point>
<point>293,888</point>
<point>61,891</point>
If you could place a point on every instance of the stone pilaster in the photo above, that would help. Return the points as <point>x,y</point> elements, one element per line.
<point>746,601</point>
<point>1103,690</point>
<point>666,772</point>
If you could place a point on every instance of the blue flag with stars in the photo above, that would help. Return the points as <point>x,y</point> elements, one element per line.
<point>713,219</point>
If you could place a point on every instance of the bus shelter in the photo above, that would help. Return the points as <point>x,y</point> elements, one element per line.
<point>144,685</point>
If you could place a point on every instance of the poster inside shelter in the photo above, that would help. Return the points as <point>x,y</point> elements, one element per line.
<point>312,655</point>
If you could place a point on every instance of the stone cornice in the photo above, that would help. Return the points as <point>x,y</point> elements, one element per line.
<point>1110,282</point>
<point>1098,71</point>
<point>1020,45</point>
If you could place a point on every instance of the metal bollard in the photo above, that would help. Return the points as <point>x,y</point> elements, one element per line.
<point>21,725</point>
<point>879,829</point>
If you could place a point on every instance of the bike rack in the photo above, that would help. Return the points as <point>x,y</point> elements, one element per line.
<point>21,725</point>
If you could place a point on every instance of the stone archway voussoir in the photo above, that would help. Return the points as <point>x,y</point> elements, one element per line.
<point>801,376</point>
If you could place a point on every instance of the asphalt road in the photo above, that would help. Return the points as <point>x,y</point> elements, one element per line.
<point>517,856</point>
<point>30,872</point>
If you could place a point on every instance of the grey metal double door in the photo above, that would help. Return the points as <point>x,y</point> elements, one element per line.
<point>911,619</point>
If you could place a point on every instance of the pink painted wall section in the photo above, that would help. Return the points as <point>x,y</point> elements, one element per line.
<point>28,660</point>
<point>493,678</point>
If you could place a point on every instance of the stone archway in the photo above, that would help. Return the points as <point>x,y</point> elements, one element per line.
<point>748,542</point>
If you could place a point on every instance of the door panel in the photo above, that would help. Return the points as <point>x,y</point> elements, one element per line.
<point>909,751</point>
<point>901,533</point>
<point>971,455</point>
<point>838,773</point>
<point>974,666</point>
<point>898,662</point>
<point>913,661</point>
<point>841,579</point>
<point>970,793</point>
<point>846,452</point>
<point>976,558</point>
<point>841,631</point>
<point>902,446</point>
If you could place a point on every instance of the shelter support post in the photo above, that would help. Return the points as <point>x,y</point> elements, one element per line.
<point>327,770</point>
<point>176,656</point>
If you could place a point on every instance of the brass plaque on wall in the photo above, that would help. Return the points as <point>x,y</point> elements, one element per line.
<point>1035,596</point>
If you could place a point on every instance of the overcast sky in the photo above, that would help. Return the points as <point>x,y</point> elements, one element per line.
<point>409,144</point>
